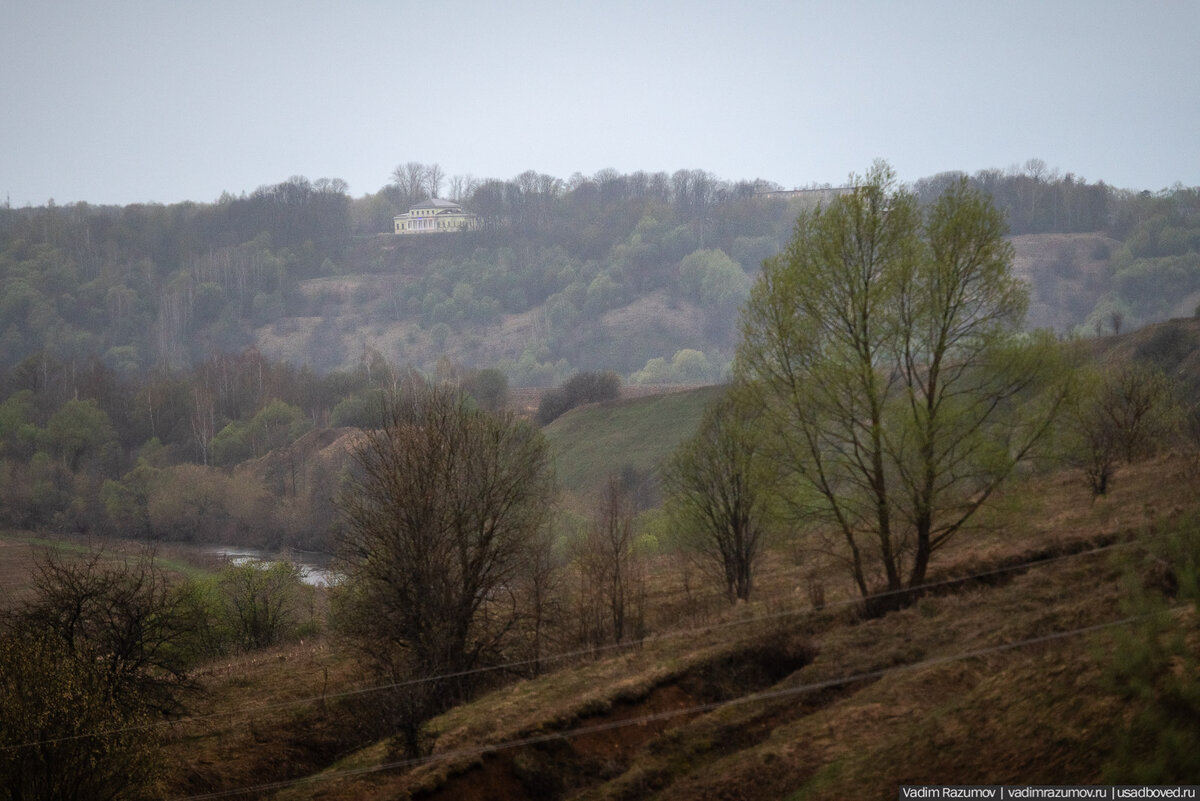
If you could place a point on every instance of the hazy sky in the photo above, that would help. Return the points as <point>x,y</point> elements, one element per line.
<point>166,100</point>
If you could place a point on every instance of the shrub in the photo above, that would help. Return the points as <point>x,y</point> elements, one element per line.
<point>260,602</point>
<point>581,388</point>
<point>1155,670</point>
<point>65,733</point>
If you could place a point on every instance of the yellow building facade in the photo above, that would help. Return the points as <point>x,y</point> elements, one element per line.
<point>435,216</point>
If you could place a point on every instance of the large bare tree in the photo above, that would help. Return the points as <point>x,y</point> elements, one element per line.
<point>441,523</point>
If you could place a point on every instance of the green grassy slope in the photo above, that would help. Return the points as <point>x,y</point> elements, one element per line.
<point>592,442</point>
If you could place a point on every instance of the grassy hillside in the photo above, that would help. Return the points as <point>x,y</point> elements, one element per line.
<point>1002,672</point>
<point>1000,678</point>
<point>598,440</point>
<point>1172,346</point>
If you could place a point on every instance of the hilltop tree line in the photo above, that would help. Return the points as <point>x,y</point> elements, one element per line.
<point>146,286</point>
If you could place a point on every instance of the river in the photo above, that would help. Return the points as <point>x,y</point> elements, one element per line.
<point>314,566</point>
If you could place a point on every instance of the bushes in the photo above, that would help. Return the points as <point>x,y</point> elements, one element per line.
<point>581,388</point>
<point>687,366</point>
<point>124,617</point>
<point>259,603</point>
<point>1118,415</point>
<point>1154,669</point>
<point>50,698</point>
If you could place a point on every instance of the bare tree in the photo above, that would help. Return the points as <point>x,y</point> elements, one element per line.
<point>122,616</point>
<point>410,179</point>
<point>611,583</point>
<point>1119,415</point>
<point>439,524</point>
<point>538,587</point>
<point>719,487</point>
<point>434,176</point>
<point>461,187</point>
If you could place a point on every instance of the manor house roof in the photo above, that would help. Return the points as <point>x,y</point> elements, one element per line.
<point>437,203</point>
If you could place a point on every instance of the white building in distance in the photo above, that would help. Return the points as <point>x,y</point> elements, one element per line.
<point>435,216</point>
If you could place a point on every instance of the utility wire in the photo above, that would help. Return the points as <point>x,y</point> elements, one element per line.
<point>583,652</point>
<point>767,695</point>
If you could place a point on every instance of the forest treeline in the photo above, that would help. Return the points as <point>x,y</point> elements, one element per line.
<point>127,335</point>
<point>146,286</point>
<point>86,449</point>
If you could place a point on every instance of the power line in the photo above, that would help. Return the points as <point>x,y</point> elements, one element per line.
<point>579,653</point>
<point>767,695</point>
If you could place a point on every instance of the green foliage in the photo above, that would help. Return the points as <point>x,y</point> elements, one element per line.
<point>79,428</point>
<point>362,410</point>
<point>713,280</point>
<point>719,485</point>
<point>231,444</point>
<point>1158,264</point>
<point>489,388</point>
<point>603,293</point>
<point>1151,287</point>
<point>276,425</point>
<point>1155,668</point>
<point>148,312</point>
<point>687,366</point>
<point>535,368</point>
<point>259,603</point>
<point>883,346</point>
<point>126,502</point>
<point>18,431</point>
<point>34,493</point>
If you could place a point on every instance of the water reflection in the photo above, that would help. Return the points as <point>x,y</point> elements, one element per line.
<point>314,566</point>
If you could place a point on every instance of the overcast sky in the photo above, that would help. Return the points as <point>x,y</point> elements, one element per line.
<point>167,100</point>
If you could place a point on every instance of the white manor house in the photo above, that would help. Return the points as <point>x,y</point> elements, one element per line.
<point>435,216</point>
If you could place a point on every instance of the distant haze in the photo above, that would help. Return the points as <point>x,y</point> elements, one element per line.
<point>125,101</point>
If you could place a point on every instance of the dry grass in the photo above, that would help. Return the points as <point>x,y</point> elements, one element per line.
<point>21,552</point>
<point>273,715</point>
<point>1029,714</point>
<point>1033,713</point>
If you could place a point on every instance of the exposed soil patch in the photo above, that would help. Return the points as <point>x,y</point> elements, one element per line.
<point>617,735</point>
<point>495,778</point>
<point>600,747</point>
